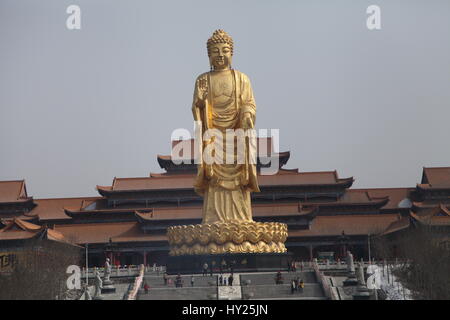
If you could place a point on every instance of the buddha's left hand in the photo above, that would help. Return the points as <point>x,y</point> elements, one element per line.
<point>247,122</point>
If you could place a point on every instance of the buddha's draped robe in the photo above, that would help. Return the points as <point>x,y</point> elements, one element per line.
<point>226,187</point>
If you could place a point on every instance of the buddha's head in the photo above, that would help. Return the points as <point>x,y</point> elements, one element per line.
<point>220,50</point>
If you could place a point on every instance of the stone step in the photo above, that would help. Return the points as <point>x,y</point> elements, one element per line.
<point>293,297</point>
<point>311,290</point>
<point>184,293</point>
<point>199,281</point>
<point>269,278</point>
<point>262,286</point>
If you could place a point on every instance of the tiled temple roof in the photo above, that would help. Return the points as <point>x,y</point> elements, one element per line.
<point>13,191</point>
<point>102,232</point>
<point>350,224</point>
<point>435,178</point>
<point>259,210</point>
<point>185,181</point>
<point>53,209</point>
<point>18,229</point>
<point>397,225</point>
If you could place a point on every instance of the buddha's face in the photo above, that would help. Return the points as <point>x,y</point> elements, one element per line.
<point>220,56</point>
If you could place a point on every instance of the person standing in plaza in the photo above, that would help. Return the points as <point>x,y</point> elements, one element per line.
<point>178,281</point>
<point>192,280</point>
<point>223,266</point>
<point>279,278</point>
<point>301,285</point>
<point>205,269</point>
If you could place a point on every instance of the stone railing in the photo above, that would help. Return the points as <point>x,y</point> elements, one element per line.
<point>339,265</point>
<point>123,271</point>
<point>155,269</point>
<point>131,295</point>
<point>329,293</point>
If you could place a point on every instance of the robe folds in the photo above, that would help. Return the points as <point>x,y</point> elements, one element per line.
<point>225,186</point>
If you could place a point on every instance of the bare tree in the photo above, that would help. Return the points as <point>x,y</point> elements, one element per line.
<point>40,271</point>
<point>425,258</point>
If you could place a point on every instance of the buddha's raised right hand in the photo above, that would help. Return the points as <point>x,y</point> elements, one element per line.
<point>202,86</point>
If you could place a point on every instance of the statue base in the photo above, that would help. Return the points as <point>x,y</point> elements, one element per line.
<point>108,287</point>
<point>227,237</point>
<point>362,293</point>
<point>350,281</point>
<point>226,263</point>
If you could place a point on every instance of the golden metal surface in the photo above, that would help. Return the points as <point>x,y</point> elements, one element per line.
<point>228,237</point>
<point>223,100</point>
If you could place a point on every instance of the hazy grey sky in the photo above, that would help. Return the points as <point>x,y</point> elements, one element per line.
<point>80,107</point>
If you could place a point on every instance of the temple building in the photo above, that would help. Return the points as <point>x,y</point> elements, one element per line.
<point>128,220</point>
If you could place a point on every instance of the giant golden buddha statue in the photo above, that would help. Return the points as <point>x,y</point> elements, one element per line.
<point>223,102</point>
<point>223,99</point>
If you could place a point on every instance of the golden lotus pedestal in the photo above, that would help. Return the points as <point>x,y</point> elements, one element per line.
<point>228,246</point>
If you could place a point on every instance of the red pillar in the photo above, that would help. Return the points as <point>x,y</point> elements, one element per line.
<point>144,254</point>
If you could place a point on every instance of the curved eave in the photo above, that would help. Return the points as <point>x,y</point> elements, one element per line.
<point>5,221</point>
<point>378,203</point>
<point>69,213</point>
<point>26,200</point>
<point>166,161</point>
<point>421,220</point>
<point>346,182</point>
<point>429,187</point>
<point>310,213</point>
<point>421,204</point>
<point>103,191</point>
<point>398,225</point>
<point>107,193</point>
<point>74,213</point>
<point>141,216</point>
<point>284,157</point>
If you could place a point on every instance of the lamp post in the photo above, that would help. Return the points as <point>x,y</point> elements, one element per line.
<point>343,240</point>
<point>87,265</point>
<point>368,244</point>
<point>109,250</point>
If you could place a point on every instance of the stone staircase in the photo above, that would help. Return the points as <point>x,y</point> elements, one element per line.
<point>268,278</point>
<point>184,293</point>
<point>252,286</point>
<point>282,291</point>
<point>199,281</point>
<point>262,286</point>
<point>205,288</point>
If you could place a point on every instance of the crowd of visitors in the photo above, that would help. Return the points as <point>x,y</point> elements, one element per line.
<point>297,285</point>
<point>225,281</point>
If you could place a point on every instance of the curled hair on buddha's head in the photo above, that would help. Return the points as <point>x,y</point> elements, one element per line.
<point>219,36</point>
